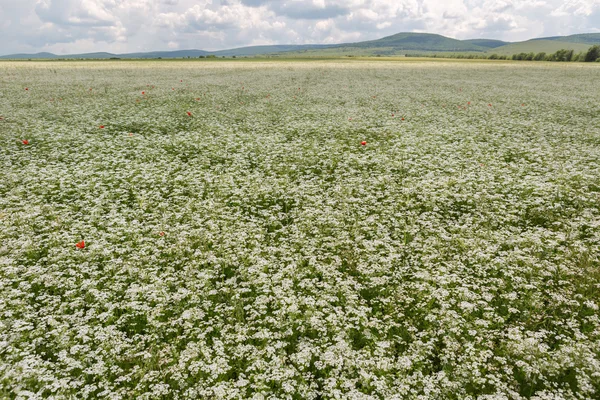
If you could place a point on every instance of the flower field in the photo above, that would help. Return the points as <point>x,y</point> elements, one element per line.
<point>299,230</point>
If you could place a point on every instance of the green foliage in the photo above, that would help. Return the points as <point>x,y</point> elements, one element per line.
<point>593,54</point>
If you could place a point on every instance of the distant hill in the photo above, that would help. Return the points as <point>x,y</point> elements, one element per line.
<point>488,43</point>
<point>32,56</point>
<point>417,41</point>
<point>398,44</point>
<point>256,50</point>
<point>585,38</point>
<point>537,46</point>
<point>165,54</point>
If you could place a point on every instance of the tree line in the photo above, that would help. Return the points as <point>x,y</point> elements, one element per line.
<point>592,55</point>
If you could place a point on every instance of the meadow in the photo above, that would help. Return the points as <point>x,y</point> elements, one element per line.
<point>299,230</point>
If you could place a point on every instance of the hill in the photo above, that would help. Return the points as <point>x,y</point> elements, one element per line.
<point>584,38</point>
<point>398,44</point>
<point>489,43</point>
<point>417,41</point>
<point>537,46</point>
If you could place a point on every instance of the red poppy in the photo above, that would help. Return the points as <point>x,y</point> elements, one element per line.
<point>130,134</point>
<point>25,141</point>
<point>490,104</point>
<point>80,245</point>
<point>181,80</point>
<point>161,234</point>
<point>101,126</point>
<point>143,92</point>
<point>523,105</point>
<point>469,103</point>
<point>392,115</point>
<point>402,119</point>
<point>189,113</point>
<point>198,98</point>
<point>26,88</point>
<point>363,143</point>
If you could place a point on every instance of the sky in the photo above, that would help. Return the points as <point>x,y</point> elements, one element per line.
<point>121,26</point>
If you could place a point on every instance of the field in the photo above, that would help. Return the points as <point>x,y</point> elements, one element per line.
<point>239,241</point>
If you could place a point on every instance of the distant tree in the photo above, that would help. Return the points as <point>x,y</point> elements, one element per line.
<point>569,55</point>
<point>559,55</point>
<point>593,54</point>
<point>539,56</point>
<point>493,56</point>
<point>563,55</point>
<point>233,57</point>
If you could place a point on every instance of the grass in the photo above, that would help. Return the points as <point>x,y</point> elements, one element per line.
<point>257,249</point>
<point>539,46</point>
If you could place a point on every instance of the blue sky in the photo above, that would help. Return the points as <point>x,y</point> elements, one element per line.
<point>74,26</point>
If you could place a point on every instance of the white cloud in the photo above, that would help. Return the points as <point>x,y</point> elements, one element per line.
<point>141,25</point>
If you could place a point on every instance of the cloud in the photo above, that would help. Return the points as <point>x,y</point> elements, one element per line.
<point>65,26</point>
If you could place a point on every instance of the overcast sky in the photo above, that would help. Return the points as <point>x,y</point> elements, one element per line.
<point>76,26</point>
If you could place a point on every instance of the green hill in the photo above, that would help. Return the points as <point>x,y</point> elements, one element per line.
<point>489,43</point>
<point>417,41</point>
<point>394,45</point>
<point>585,38</point>
<point>537,46</point>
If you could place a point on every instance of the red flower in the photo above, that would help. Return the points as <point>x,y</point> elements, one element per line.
<point>490,104</point>
<point>189,113</point>
<point>363,143</point>
<point>469,103</point>
<point>161,234</point>
<point>26,88</point>
<point>80,245</point>
<point>181,80</point>
<point>25,141</point>
<point>523,105</point>
<point>392,115</point>
<point>143,92</point>
<point>403,119</point>
<point>101,126</point>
